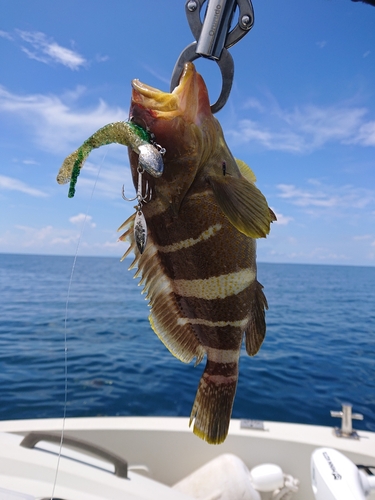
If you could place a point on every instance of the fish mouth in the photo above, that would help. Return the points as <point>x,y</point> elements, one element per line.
<point>189,99</point>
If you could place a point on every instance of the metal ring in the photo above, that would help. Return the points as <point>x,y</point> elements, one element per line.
<point>225,64</point>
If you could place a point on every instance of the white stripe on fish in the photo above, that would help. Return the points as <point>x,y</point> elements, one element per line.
<point>208,233</point>
<point>216,287</point>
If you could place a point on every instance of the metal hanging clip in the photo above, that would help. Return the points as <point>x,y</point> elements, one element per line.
<point>214,38</point>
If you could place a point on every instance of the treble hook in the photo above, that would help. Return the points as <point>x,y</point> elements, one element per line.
<point>141,198</point>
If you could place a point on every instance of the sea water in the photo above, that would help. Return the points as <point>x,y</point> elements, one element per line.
<point>319,350</point>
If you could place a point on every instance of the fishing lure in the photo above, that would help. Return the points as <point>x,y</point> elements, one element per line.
<point>150,160</point>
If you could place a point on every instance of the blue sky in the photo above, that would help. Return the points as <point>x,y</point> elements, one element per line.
<point>301,114</point>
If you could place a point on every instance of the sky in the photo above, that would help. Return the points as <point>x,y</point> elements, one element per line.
<point>301,113</point>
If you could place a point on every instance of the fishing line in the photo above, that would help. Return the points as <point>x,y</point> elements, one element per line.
<point>66,322</point>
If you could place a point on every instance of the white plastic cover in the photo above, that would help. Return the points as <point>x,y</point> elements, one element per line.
<point>224,478</point>
<point>334,476</point>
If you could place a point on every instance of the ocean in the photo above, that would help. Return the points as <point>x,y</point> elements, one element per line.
<point>319,350</point>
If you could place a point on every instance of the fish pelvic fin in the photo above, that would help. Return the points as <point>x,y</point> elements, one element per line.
<point>243,204</point>
<point>213,403</point>
<point>256,328</point>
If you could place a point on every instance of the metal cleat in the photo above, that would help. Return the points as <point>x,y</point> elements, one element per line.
<point>347,416</point>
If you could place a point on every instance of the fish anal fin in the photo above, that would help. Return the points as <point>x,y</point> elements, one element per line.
<point>243,204</point>
<point>256,328</point>
<point>213,404</point>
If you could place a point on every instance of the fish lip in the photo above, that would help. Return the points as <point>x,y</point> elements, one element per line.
<point>147,91</point>
<point>168,104</point>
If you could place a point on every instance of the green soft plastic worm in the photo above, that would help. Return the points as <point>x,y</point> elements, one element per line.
<point>126,133</point>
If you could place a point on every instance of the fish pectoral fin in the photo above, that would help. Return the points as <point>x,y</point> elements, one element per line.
<point>243,204</point>
<point>256,328</point>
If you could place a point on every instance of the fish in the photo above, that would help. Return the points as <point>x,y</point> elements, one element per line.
<point>199,219</point>
<point>199,266</point>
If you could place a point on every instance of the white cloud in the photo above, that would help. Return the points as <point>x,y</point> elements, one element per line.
<point>254,104</point>
<point>305,128</point>
<point>30,162</point>
<point>56,125</point>
<point>82,219</point>
<point>325,196</point>
<point>283,220</point>
<point>366,135</point>
<point>318,254</point>
<point>116,245</point>
<point>11,184</point>
<point>46,50</point>
<point>362,237</point>
<point>99,58</point>
<point>305,198</point>
<point>5,34</point>
<point>58,240</point>
<point>35,236</point>
<point>321,44</point>
<point>251,131</point>
<point>367,53</point>
<point>44,239</point>
<point>108,182</point>
<point>156,74</point>
<point>69,240</point>
<point>321,125</point>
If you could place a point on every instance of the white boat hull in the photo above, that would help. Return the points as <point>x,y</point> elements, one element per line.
<point>170,452</point>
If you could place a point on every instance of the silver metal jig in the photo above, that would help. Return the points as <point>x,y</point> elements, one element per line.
<point>140,231</point>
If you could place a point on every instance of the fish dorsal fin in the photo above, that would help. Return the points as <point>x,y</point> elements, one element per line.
<point>243,204</point>
<point>246,170</point>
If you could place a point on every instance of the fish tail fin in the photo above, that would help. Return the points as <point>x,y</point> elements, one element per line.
<point>213,403</point>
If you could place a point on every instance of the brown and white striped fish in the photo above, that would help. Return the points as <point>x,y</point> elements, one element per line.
<point>198,268</point>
